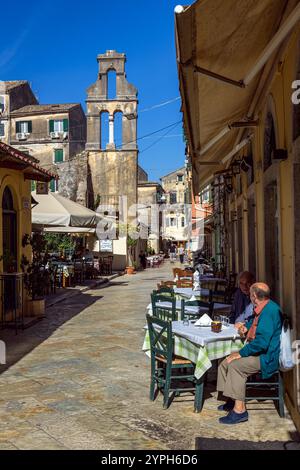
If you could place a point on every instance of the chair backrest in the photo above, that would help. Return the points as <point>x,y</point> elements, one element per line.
<point>176,271</point>
<point>184,283</point>
<point>164,290</point>
<point>164,312</point>
<point>196,303</point>
<point>160,335</point>
<point>185,274</point>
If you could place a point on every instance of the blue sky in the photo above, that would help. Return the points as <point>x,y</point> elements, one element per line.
<point>54,46</point>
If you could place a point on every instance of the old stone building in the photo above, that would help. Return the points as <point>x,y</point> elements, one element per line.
<point>113,168</point>
<point>150,198</point>
<point>176,223</point>
<point>55,134</point>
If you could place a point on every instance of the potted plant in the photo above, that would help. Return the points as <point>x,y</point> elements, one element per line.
<point>131,244</point>
<point>35,274</point>
<point>9,262</point>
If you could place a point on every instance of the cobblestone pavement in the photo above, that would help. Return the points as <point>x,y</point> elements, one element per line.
<point>78,380</point>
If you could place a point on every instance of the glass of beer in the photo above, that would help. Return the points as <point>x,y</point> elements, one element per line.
<point>216,324</point>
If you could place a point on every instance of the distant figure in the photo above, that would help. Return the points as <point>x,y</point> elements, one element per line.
<point>241,299</point>
<point>181,252</point>
<point>143,259</point>
<point>88,255</point>
<point>172,253</point>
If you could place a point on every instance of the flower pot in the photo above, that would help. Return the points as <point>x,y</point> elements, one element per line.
<point>37,308</point>
<point>130,270</point>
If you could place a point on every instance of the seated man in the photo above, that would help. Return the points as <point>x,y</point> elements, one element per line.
<point>88,255</point>
<point>241,297</point>
<point>260,353</point>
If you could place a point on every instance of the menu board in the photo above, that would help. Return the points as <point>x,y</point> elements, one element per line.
<point>106,245</point>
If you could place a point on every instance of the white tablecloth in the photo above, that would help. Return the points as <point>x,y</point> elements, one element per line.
<point>203,335</point>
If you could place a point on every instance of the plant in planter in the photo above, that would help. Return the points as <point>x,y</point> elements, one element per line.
<point>132,234</point>
<point>9,262</point>
<point>35,274</point>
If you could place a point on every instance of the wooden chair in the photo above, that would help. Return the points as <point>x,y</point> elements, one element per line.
<point>167,369</point>
<point>184,283</point>
<point>78,272</point>
<point>176,272</point>
<point>195,303</point>
<point>185,275</point>
<point>163,312</point>
<point>274,383</point>
<point>164,290</point>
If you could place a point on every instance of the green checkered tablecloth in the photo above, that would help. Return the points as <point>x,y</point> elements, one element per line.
<point>200,355</point>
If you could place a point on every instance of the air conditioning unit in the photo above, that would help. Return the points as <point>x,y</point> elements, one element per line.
<point>22,136</point>
<point>55,135</point>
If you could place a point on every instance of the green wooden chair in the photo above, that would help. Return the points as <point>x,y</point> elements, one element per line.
<point>274,384</point>
<point>164,290</point>
<point>164,312</point>
<point>170,372</point>
<point>195,303</point>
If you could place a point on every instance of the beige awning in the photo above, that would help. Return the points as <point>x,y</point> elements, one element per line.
<point>225,52</point>
<point>58,211</point>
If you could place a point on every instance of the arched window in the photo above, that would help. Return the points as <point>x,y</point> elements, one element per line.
<point>7,200</point>
<point>269,140</point>
<point>111,84</point>
<point>118,129</point>
<point>104,129</point>
<point>9,231</point>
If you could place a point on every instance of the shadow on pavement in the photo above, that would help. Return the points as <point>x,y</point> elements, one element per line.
<point>18,346</point>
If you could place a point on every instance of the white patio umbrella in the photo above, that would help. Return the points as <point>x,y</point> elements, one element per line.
<point>54,210</point>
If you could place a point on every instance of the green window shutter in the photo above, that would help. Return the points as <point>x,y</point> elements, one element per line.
<point>51,125</point>
<point>18,127</point>
<point>52,186</point>
<point>58,155</point>
<point>29,127</point>
<point>66,125</point>
<point>33,185</point>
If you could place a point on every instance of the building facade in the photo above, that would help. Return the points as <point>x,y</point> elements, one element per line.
<point>252,165</point>
<point>55,134</point>
<point>176,217</point>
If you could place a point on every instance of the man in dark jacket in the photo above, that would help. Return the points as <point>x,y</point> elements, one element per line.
<point>241,298</point>
<point>260,353</point>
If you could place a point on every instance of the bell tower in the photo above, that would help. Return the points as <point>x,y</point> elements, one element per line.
<point>113,168</point>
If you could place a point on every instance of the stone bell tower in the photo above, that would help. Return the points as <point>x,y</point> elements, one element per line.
<point>113,170</point>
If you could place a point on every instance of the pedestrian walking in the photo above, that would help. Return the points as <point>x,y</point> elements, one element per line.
<point>181,252</point>
<point>172,253</point>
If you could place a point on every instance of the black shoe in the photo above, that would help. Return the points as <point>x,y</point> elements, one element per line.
<point>228,406</point>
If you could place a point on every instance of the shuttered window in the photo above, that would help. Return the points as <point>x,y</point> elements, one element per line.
<point>58,155</point>
<point>24,127</point>
<point>58,125</point>
<point>52,186</point>
<point>2,130</point>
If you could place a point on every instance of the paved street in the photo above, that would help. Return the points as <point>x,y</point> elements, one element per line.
<point>78,380</point>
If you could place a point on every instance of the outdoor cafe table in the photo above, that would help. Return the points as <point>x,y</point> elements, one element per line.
<point>201,345</point>
<point>191,309</point>
<point>188,292</point>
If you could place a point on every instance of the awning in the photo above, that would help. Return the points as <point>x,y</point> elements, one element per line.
<point>80,230</point>
<point>58,211</point>
<point>225,52</point>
